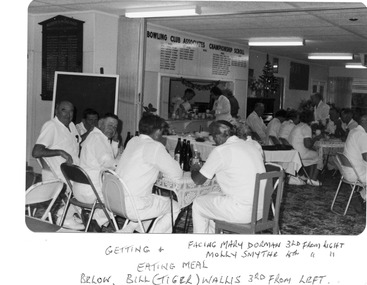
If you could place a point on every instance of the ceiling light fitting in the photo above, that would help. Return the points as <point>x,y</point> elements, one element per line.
<point>163,12</point>
<point>355,65</point>
<point>331,56</point>
<point>276,42</point>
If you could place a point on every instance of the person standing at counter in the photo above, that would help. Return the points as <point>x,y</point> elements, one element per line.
<point>182,104</point>
<point>221,106</point>
<point>233,101</point>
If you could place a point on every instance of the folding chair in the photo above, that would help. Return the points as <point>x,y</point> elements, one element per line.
<point>349,176</point>
<point>285,142</point>
<point>42,192</point>
<point>115,193</point>
<point>268,221</point>
<point>46,166</point>
<point>72,174</point>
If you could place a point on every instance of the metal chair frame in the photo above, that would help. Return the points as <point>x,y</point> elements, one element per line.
<point>74,173</point>
<point>343,162</point>
<point>256,226</point>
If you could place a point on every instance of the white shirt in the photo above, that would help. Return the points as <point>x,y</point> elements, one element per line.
<point>297,136</point>
<point>355,146</point>
<point>272,129</point>
<point>81,128</point>
<point>285,129</point>
<point>141,162</point>
<point>97,153</point>
<point>257,125</point>
<point>235,164</point>
<point>222,108</point>
<point>54,135</point>
<point>321,112</point>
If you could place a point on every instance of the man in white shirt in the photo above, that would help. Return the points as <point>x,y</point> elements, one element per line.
<point>321,109</point>
<point>347,119</point>
<point>288,125</point>
<point>235,163</point>
<point>256,123</point>
<point>89,121</point>
<point>356,150</point>
<point>98,152</point>
<point>57,143</point>
<point>221,106</point>
<point>273,128</point>
<point>182,104</point>
<point>142,160</point>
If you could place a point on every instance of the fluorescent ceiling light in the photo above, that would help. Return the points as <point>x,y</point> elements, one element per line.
<point>276,42</point>
<point>355,65</point>
<point>163,12</point>
<point>336,56</point>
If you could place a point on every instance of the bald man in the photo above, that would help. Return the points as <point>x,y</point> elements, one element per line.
<point>58,142</point>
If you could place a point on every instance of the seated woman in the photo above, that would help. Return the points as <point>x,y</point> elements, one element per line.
<point>301,139</point>
<point>288,125</point>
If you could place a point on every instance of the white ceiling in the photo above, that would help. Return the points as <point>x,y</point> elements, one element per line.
<point>326,26</point>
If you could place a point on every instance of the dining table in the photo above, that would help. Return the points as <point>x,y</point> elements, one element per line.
<point>328,147</point>
<point>289,159</point>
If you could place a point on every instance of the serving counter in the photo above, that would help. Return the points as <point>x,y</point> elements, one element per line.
<point>186,126</point>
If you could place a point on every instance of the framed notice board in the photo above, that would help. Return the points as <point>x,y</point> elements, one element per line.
<point>299,76</point>
<point>96,91</point>
<point>62,50</point>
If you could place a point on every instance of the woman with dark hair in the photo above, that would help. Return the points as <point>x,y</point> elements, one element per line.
<point>301,139</point>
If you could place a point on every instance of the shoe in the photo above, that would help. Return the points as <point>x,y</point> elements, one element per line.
<point>70,223</point>
<point>313,182</point>
<point>293,180</point>
<point>302,177</point>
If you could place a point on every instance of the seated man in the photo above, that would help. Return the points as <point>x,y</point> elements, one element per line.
<point>58,142</point>
<point>142,160</point>
<point>256,123</point>
<point>235,163</point>
<point>272,129</point>
<point>288,125</point>
<point>356,150</point>
<point>98,153</point>
<point>89,121</point>
<point>334,126</point>
<point>347,119</point>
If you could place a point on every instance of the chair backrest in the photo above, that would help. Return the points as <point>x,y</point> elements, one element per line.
<point>46,166</point>
<point>284,141</point>
<point>42,192</point>
<point>74,173</point>
<point>346,168</point>
<point>267,221</point>
<point>274,140</point>
<point>115,192</point>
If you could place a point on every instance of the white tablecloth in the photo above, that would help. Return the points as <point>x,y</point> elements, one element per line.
<point>185,189</point>
<point>288,159</point>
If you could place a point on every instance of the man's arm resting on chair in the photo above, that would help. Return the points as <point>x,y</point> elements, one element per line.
<point>40,150</point>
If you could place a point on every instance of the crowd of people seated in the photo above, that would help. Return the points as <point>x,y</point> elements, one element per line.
<point>93,145</point>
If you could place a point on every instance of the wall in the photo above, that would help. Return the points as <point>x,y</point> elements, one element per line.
<point>291,97</point>
<point>178,54</point>
<point>99,50</point>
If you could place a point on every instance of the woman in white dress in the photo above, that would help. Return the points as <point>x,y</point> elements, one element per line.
<point>301,139</point>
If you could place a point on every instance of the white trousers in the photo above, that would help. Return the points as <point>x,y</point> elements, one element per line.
<point>154,206</point>
<point>215,205</point>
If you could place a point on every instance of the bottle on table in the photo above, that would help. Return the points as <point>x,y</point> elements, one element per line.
<point>183,153</point>
<point>188,156</point>
<point>128,137</point>
<point>177,153</point>
<point>137,133</point>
